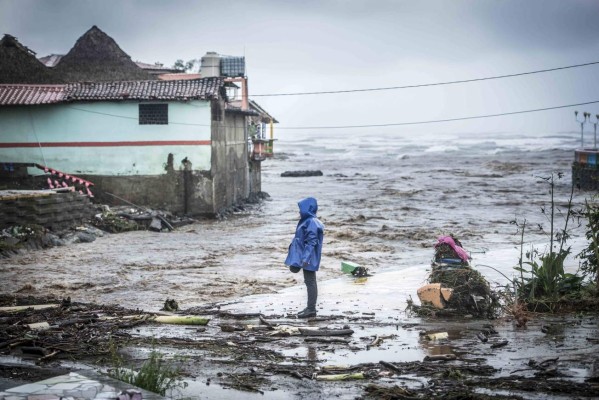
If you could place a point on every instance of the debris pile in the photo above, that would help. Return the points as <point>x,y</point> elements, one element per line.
<point>454,287</point>
<point>51,329</point>
<point>124,219</point>
<point>35,237</point>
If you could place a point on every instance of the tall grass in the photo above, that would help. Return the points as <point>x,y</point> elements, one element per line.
<point>542,275</point>
<point>155,374</point>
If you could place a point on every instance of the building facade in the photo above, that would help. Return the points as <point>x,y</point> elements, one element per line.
<point>159,144</point>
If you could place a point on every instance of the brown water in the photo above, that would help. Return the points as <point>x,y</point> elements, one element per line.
<point>383,200</point>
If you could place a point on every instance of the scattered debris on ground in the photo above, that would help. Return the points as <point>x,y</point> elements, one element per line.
<point>455,288</point>
<point>244,351</point>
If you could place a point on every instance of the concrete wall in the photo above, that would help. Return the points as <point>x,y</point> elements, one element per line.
<point>230,162</point>
<point>105,138</point>
<point>255,177</point>
<point>128,162</point>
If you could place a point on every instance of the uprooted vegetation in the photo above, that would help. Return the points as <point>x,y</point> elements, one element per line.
<point>454,287</point>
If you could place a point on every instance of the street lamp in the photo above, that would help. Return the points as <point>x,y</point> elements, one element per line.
<point>586,116</point>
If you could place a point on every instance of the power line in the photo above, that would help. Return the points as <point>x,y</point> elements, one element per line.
<point>366,125</point>
<point>129,117</point>
<point>426,84</point>
<point>439,120</point>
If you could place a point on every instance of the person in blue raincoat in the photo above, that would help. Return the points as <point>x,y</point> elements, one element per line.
<point>305,251</point>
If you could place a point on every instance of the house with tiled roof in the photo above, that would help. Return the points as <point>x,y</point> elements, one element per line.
<point>175,145</point>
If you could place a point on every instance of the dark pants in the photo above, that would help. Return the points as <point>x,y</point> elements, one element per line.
<point>310,281</point>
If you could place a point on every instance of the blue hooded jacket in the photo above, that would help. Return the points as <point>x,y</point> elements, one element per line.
<point>306,248</point>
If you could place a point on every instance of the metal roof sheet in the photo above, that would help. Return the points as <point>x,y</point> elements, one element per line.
<point>31,94</point>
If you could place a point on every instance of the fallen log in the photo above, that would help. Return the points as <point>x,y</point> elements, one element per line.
<point>33,307</point>
<point>226,314</point>
<point>326,340</point>
<point>161,319</point>
<point>339,368</point>
<point>40,351</point>
<point>440,357</point>
<point>325,332</point>
<point>390,366</point>
<point>340,377</point>
<point>499,344</point>
<point>180,320</point>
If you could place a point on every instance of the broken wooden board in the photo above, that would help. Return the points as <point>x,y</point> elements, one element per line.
<point>434,294</point>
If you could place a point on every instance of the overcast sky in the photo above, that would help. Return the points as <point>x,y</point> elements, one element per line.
<point>308,45</point>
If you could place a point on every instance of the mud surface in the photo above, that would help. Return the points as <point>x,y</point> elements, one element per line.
<point>383,204</point>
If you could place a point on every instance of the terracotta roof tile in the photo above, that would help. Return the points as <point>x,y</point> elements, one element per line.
<point>200,89</point>
<point>31,94</point>
<point>145,90</point>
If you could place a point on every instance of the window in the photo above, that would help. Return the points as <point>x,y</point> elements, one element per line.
<point>153,114</point>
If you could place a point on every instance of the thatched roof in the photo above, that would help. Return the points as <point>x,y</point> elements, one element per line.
<point>96,57</point>
<point>19,65</point>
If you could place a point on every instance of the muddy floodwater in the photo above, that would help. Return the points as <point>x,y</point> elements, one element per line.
<point>384,201</point>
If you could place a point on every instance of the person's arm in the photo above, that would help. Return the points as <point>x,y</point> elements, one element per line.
<point>310,242</point>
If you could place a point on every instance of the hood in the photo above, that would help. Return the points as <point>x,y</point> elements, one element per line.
<point>308,207</point>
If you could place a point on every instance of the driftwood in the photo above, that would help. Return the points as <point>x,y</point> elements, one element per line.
<point>325,332</point>
<point>48,356</point>
<point>326,340</point>
<point>231,328</point>
<point>390,366</point>
<point>258,328</point>
<point>33,307</point>
<point>340,377</point>
<point>499,344</point>
<point>40,351</point>
<point>378,340</point>
<point>264,321</point>
<point>440,357</point>
<point>226,314</point>
<point>180,319</point>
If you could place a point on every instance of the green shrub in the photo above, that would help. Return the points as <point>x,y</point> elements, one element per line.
<point>542,276</point>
